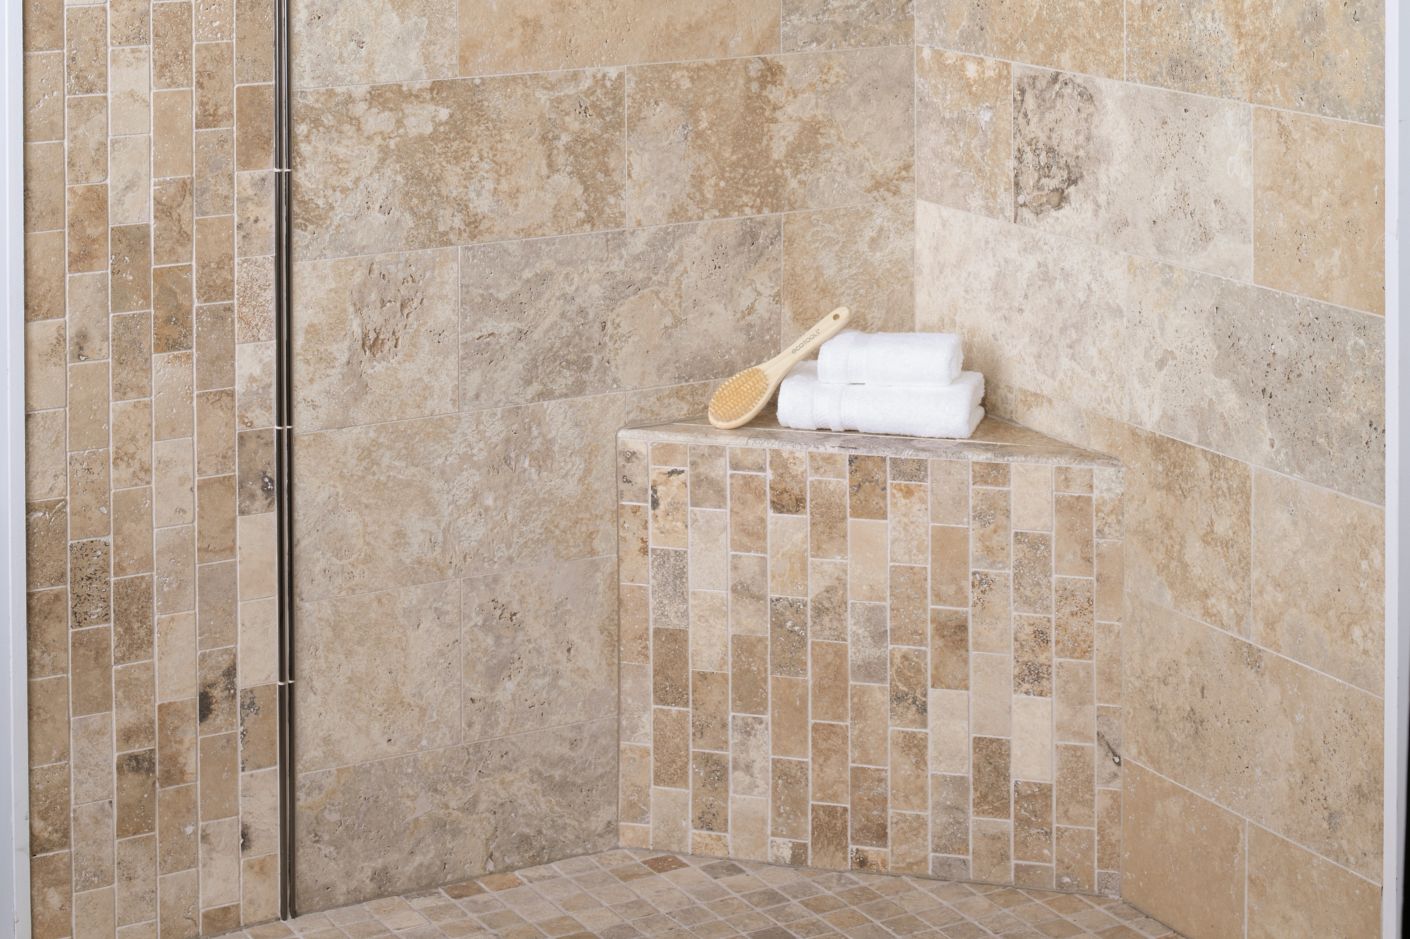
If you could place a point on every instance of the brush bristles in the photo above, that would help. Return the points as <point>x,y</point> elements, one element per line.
<point>738,396</point>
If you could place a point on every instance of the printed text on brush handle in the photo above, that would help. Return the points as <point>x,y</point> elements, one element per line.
<point>803,340</point>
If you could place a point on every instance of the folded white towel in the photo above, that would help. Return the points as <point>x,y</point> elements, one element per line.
<point>854,358</point>
<point>805,403</point>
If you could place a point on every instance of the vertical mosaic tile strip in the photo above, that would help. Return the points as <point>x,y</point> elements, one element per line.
<point>854,661</point>
<point>152,639</point>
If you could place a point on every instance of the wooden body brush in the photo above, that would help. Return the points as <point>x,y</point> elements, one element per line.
<point>738,400</point>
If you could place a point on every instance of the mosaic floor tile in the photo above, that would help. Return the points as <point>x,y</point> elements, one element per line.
<point>628,893</point>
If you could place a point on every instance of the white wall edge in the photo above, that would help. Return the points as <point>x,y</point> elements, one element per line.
<point>1397,642</point>
<point>14,731</point>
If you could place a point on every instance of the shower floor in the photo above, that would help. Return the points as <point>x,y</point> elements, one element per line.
<point>627,892</point>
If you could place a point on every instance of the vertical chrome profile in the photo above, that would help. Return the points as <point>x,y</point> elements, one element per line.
<point>283,442</point>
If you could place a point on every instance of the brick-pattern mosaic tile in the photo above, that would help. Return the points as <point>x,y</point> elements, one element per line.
<point>149,415</point>
<point>872,663</point>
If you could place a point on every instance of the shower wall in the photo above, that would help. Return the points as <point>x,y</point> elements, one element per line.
<point>518,228</point>
<point>149,401</point>
<point>1159,227</point>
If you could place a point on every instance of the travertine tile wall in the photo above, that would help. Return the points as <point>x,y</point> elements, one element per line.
<point>835,658</point>
<point>520,226</point>
<point>152,655</point>
<point>1159,226</point>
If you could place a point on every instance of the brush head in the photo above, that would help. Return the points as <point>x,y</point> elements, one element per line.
<point>740,398</point>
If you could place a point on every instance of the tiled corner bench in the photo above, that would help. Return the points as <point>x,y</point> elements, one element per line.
<point>868,652</point>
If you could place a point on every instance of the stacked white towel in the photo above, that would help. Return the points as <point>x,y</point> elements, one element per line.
<point>899,383</point>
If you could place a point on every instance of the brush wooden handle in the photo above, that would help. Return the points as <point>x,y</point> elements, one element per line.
<point>824,329</point>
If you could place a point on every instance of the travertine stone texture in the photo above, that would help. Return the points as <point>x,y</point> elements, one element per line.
<point>1076,35</point>
<point>869,653</point>
<point>1186,273</point>
<point>1316,233</point>
<point>520,227</point>
<point>1301,55</point>
<point>152,643</point>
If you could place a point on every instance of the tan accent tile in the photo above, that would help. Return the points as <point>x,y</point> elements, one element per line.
<point>749,665</point>
<point>748,513</point>
<point>827,607</point>
<point>48,720</point>
<point>991,693</point>
<point>709,774</point>
<point>1032,738</point>
<point>709,551</point>
<point>868,652</point>
<point>176,743</point>
<point>749,828</point>
<point>254,127</point>
<point>788,717</point>
<point>1033,822</point>
<point>789,798</point>
<point>634,792</point>
<point>1076,859</point>
<point>1072,623</point>
<point>909,776</point>
<point>90,591</point>
<point>909,607</point>
<point>992,852</point>
<point>47,634</point>
<point>1075,793</point>
<point>869,724</point>
<point>788,482</point>
<point>749,753</point>
<point>709,628</point>
<point>830,772</point>
<point>748,594</point>
<point>51,895</point>
<point>829,836</point>
<point>862,153</point>
<point>670,668</point>
<point>1074,711</point>
<point>829,681</point>
<point>86,50</point>
<point>136,793</point>
<point>527,122</point>
<point>709,709</point>
<point>949,566</point>
<point>869,806</point>
<point>86,139</point>
<point>991,777</point>
<point>1073,547</point>
<point>1032,656</point>
<point>135,888</point>
<point>867,571</point>
<point>788,555</point>
<point>90,510</point>
<point>134,707</point>
<point>1179,846</point>
<point>909,687</point>
<point>93,844</point>
<point>708,477</point>
<point>132,618</point>
<point>866,487</point>
<point>633,543</point>
<point>827,518</point>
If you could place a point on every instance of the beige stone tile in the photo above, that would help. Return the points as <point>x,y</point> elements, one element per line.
<point>172,46</point>
<point>357,43</point>
<point>748,513</point>
<point>829,835</point>
<point>992,777</point>
<point>527,155</point>
<point>829,675</point>
<point>1102,161</point>
<point>254,54</point>
<point>869,806</point>
<point>1078,353</point>
<point>1032,730</point>
<point>135,888</point>
<point>44,275</point>
<point>910,617</point>
<point>748,598</point>
<point>868,576</point>
<point>859,256</point>
<point>829,758</point>
<point>539,35</point>
<point>1179,846</point>
<point>47,634</point>
<point>375,338</point>
<point>635,308</point>
<point>909,687</point>
<point>990,617</point>
<point>85,50</point>
<point>1283,879</point>
<point>1071,34</point>
<point>513,626</point>
<point>991,847</point>
<point>910,779</point>
<point>869,723</point>
<point>788,637</point>
<point>44,96</point>
<point>371,690</point>
<point>1317,231</point>
<point>842,24</point>
<point>708,482</point>
<point>1335,622</point>
<point>814,131</point>
<point>1293,364</point>
<point>827,518</point>
<point>455,513</point>
<point>1075,866</point>
<point>788,555</point>
<point>92,759</point>
<point>1260,749</point>
<point>964,130</point>
<point>1267,53</point>
<point>1187,542</point>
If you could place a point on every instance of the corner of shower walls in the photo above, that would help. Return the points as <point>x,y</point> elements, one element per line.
<point>1191,346</point>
